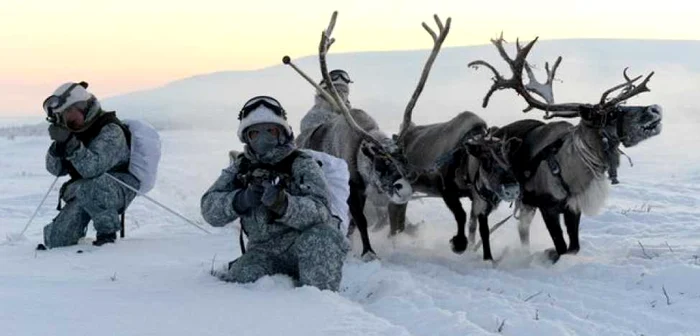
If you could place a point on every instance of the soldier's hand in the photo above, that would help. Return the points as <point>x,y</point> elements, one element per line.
<point>275,198</point>
<point>58,133</point>
<point>248,199</point>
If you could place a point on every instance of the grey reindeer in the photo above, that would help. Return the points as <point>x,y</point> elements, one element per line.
<point>561,167</point>
<point>375,162</point>
<point>454,159</point>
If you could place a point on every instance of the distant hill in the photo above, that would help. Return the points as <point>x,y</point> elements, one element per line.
<point>384,82</point>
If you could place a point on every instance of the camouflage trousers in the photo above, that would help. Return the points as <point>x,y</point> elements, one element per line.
<point>314,258</point>
<point>100,199</point>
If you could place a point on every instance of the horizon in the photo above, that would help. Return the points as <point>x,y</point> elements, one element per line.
<point>134,45</point>
<point>9,115</point>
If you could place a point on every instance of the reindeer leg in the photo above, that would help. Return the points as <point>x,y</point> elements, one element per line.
<point>472,227</point>
<point>551,220</point>
<point>356,203</point>
<point>527,214</point>
<point>480,210</point>
<point>451,198</point>
<point>484,234</point>
<point>397,218</point>
<point>572,220</point>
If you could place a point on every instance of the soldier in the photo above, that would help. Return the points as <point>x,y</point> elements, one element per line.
<point>279,194</point>
<point>87,143</point>
<point>322,110</point>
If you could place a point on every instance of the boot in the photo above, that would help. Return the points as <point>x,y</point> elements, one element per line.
<point>104,238</point>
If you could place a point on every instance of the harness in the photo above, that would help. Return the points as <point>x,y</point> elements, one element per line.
<point>488,195</point>
<point>449,156</point>
<point>547,154</point>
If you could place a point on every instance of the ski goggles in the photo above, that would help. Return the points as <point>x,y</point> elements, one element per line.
<point>339,74</point>
<point>258,101</point>
<point>54,102</point>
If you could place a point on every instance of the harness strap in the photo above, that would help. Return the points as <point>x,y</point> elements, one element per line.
<point>121,233</point>
<point>241,242</point>
<point>555,168</point>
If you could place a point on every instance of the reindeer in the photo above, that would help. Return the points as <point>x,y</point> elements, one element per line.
<point>471,163</point>
<point>457,158</point>
<point>561,167</point>
<point>375,162</point>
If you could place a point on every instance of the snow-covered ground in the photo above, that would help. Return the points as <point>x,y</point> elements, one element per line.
<point>157,280</point>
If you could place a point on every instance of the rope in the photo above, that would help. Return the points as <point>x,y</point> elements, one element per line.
<point>492,230</point>
<point>157,203</point>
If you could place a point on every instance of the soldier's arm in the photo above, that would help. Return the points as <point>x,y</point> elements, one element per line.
<point>311,207</point>
<point>55,157</point>
<point>104,153</point>
<point>217,202</point>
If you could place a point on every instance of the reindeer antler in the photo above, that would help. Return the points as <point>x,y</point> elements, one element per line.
<point>333,97</point>
<point>544,90</point>
<point>517,65</point>
<point>629,90</point>
<point>438,39</point>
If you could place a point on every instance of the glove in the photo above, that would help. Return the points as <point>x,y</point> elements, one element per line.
<point>275,199</point>
<point>248,199</point>
<point>58,133</point>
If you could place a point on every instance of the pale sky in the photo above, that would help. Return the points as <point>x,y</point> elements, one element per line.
<point>127,45</point>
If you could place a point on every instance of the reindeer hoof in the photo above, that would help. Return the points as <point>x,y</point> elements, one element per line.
<point>459,244</point>
<point>573,249</point>
<point>368,256</point>
<point>552,255</point>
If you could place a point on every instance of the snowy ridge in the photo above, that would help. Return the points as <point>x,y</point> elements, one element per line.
<point>157,282</point>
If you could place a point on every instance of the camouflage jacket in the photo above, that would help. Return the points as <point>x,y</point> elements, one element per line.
<point>307,203</point>
<point>107,151</point>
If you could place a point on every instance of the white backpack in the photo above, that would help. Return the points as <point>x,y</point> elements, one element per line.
<point>145,153</point>
<point>338,182</point>
<point>338,178</point>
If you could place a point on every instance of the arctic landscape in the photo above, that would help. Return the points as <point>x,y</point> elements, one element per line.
<point>638,271</point>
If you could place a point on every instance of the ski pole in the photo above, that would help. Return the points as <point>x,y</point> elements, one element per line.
<point>39,207</point>
<point>157,203</point>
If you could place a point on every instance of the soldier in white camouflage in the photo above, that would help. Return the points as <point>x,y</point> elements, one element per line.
<point>280,196</point>
<point>87,143</point>
<point>322,111</point>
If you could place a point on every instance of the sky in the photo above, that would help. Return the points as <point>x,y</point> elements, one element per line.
<point>128,45</point>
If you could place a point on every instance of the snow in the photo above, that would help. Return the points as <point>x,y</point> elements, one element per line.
<point>157,280</point>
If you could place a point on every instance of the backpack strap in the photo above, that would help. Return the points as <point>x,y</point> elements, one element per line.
<point>92,132</point>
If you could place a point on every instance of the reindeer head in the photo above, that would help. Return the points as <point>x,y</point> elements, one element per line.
<point>386,168</point>
<point>626,124</point>
<point>494,170</point>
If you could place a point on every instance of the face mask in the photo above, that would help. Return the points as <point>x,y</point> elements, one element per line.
<point>261,140</point>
